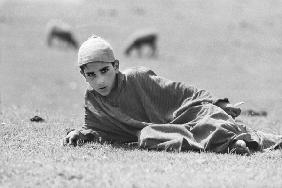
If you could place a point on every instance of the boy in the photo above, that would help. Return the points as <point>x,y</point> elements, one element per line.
<point>137,105</point>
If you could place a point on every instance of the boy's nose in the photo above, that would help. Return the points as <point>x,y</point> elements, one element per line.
<point>100,80</point>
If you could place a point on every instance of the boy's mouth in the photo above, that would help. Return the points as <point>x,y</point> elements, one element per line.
<point>102,88</point>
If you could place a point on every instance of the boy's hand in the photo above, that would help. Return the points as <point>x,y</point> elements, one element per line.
<point>73,138</point>
<point>232,110</point>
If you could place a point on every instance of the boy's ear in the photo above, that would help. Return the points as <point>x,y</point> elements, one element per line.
<point>116,65</point>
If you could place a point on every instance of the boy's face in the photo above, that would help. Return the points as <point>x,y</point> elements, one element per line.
<point>101,76</point>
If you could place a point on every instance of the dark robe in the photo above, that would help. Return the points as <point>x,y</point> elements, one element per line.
<point>165,115</point>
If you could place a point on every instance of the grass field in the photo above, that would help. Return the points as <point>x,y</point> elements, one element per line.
<point>231,48</point>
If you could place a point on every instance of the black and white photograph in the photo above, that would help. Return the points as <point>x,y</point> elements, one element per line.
<point>140,93</point>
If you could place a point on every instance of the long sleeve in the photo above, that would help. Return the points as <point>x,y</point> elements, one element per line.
<point>97,125</point>
<point>165,96</point>
<point>163,99</point>
<point>91,134</point>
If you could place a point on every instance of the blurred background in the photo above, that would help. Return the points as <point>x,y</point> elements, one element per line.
<point>230,48</point>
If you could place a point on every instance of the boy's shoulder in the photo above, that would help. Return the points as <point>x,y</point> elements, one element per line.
<point>137,71</point>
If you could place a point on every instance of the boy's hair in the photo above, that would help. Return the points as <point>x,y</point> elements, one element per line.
<point>82,67</point>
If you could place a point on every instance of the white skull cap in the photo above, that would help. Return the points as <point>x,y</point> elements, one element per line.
<point>95,49</point>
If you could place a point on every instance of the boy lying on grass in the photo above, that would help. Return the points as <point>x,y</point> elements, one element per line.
<point>139,106</point>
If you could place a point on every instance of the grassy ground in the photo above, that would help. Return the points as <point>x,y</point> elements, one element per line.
<point>31,156</point>
<point>232,49</point>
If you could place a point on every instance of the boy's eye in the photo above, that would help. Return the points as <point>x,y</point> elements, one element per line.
<point>90,74</point>
<point>104,70</point>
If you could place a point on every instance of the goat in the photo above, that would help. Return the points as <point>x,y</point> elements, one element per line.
<point>140,39</point>
<point>60,31</point>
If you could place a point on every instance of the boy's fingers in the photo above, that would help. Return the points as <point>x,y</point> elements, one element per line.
<point>72,140</point>
<point>79,142</point>
<point>65,141</point>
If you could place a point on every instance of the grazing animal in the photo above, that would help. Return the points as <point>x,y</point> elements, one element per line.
<point>140,39</point>
<point>60,31</point>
